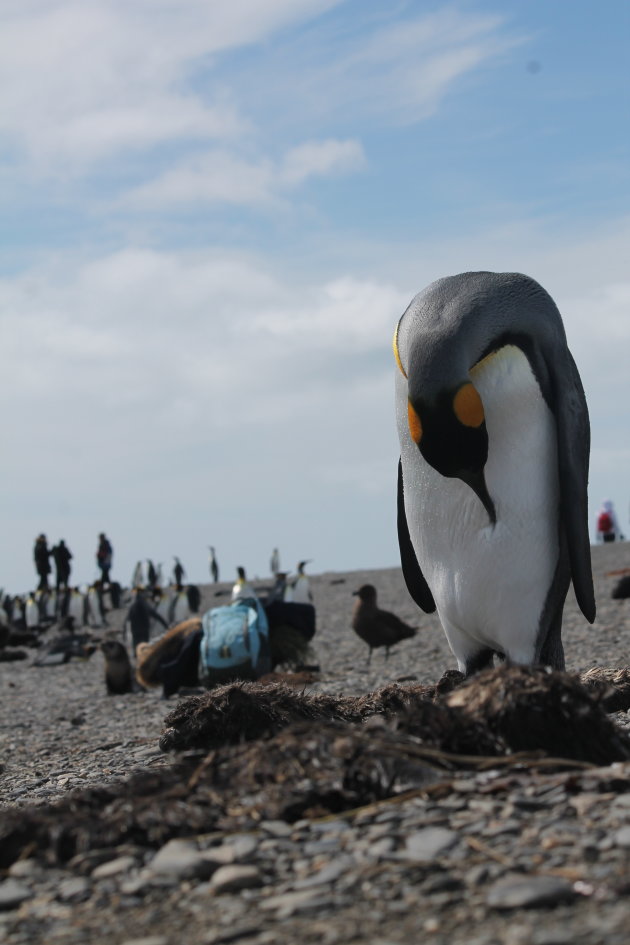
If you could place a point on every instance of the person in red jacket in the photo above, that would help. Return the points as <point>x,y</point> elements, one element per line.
<point>607,526</point>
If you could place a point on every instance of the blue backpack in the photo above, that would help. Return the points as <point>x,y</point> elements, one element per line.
<point>234,643</point>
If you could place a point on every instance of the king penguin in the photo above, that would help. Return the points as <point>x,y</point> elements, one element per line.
<point>492,479</point>
<point>31,612</point>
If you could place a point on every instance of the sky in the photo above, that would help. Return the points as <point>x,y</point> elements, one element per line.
<point>212,216</point>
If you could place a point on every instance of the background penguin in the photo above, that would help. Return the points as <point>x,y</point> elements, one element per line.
<point>137,578</point>
<point>179,608</point>
<point>178,573</point>
<point>151,574</point>
<point>193,596</point>
<point>77,607</point>
<point>299,589</point>
<point>96,608</point>
<point>41,599</point>
<point>50,611</point>
<point>242,589</point>
<point>162,602</point>
<point>31,612</point>
<point>274,562</point>
<point>213,564</point>
<point>494,438</point>
<point>139,618</point>
<point>377,627</point>
<point>15,608</point>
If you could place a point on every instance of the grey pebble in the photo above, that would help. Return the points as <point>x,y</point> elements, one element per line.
<point>622,837</point>
<point>122,864</point>
<point>13,893</point>
<point>75,889</point>
<point>24,869</point>
<point>277,828</point>
<point>520,892</point>
<point>553,936</point>
<point>327,874</point>
<point>381,847</point>
<point>286,904</point>
<point>235,877</point>
<point>181,859</point>
<point>149,940</point>
<point>425,845</point>
<point>239,847</point>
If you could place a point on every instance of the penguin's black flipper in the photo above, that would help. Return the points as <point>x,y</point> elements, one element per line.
<point>574,436</point>
<point>414,578</point>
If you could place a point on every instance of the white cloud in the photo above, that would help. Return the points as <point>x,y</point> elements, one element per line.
<point>217,177</point>
<point>412,65</point>
<point>221,177</point>
<point>82,81</point>
<point>347,314</point>
<point>143,327</point>
<point>320,159</point>
<point>397,70</point>
<point>86,82</point>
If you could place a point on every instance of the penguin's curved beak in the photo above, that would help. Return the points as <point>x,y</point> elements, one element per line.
<point>477,482</point>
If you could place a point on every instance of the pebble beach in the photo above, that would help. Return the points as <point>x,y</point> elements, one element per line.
<point>500,856</point>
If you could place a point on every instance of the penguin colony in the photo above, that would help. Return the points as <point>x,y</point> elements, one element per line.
<point>494,448</point>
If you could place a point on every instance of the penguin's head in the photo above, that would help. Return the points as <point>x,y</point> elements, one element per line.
<point>446,421</point>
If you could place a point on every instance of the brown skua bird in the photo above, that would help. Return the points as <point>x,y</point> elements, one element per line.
<point>377,627</point>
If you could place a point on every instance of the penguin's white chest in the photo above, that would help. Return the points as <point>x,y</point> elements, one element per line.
<point>76,607</point>
<point>490,582</point>
<point>181,610</point>
<point>31,614</point>
<point>301,592</point>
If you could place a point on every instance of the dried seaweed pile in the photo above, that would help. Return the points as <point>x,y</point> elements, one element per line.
<point>247,711</point>
<point>500,710</point>
<point>324,755</point>
<point>532,709</point>
<point>306,770</point>
<point>610,686</point>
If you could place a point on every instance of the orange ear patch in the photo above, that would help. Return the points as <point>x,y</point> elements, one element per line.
<point>468,407</point>
<point>415,427</point>
<point>396,354</point>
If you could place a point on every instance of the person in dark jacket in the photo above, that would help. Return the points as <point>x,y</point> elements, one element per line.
<point>61,556</point>
<point>139,618</point>
<point>104,555</point>
<point>41,556</point>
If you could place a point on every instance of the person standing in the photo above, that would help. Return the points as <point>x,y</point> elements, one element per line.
<point>178,573</point>
<point>61,556</point>
<point>104,555</point>
<point>607,525</point>
<point>41,556</point>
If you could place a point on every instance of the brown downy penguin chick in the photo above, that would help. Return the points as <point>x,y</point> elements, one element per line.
<point>118,675</point>
<point>377,627</point>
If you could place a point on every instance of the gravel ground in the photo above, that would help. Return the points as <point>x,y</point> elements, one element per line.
<point>507,857</point>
